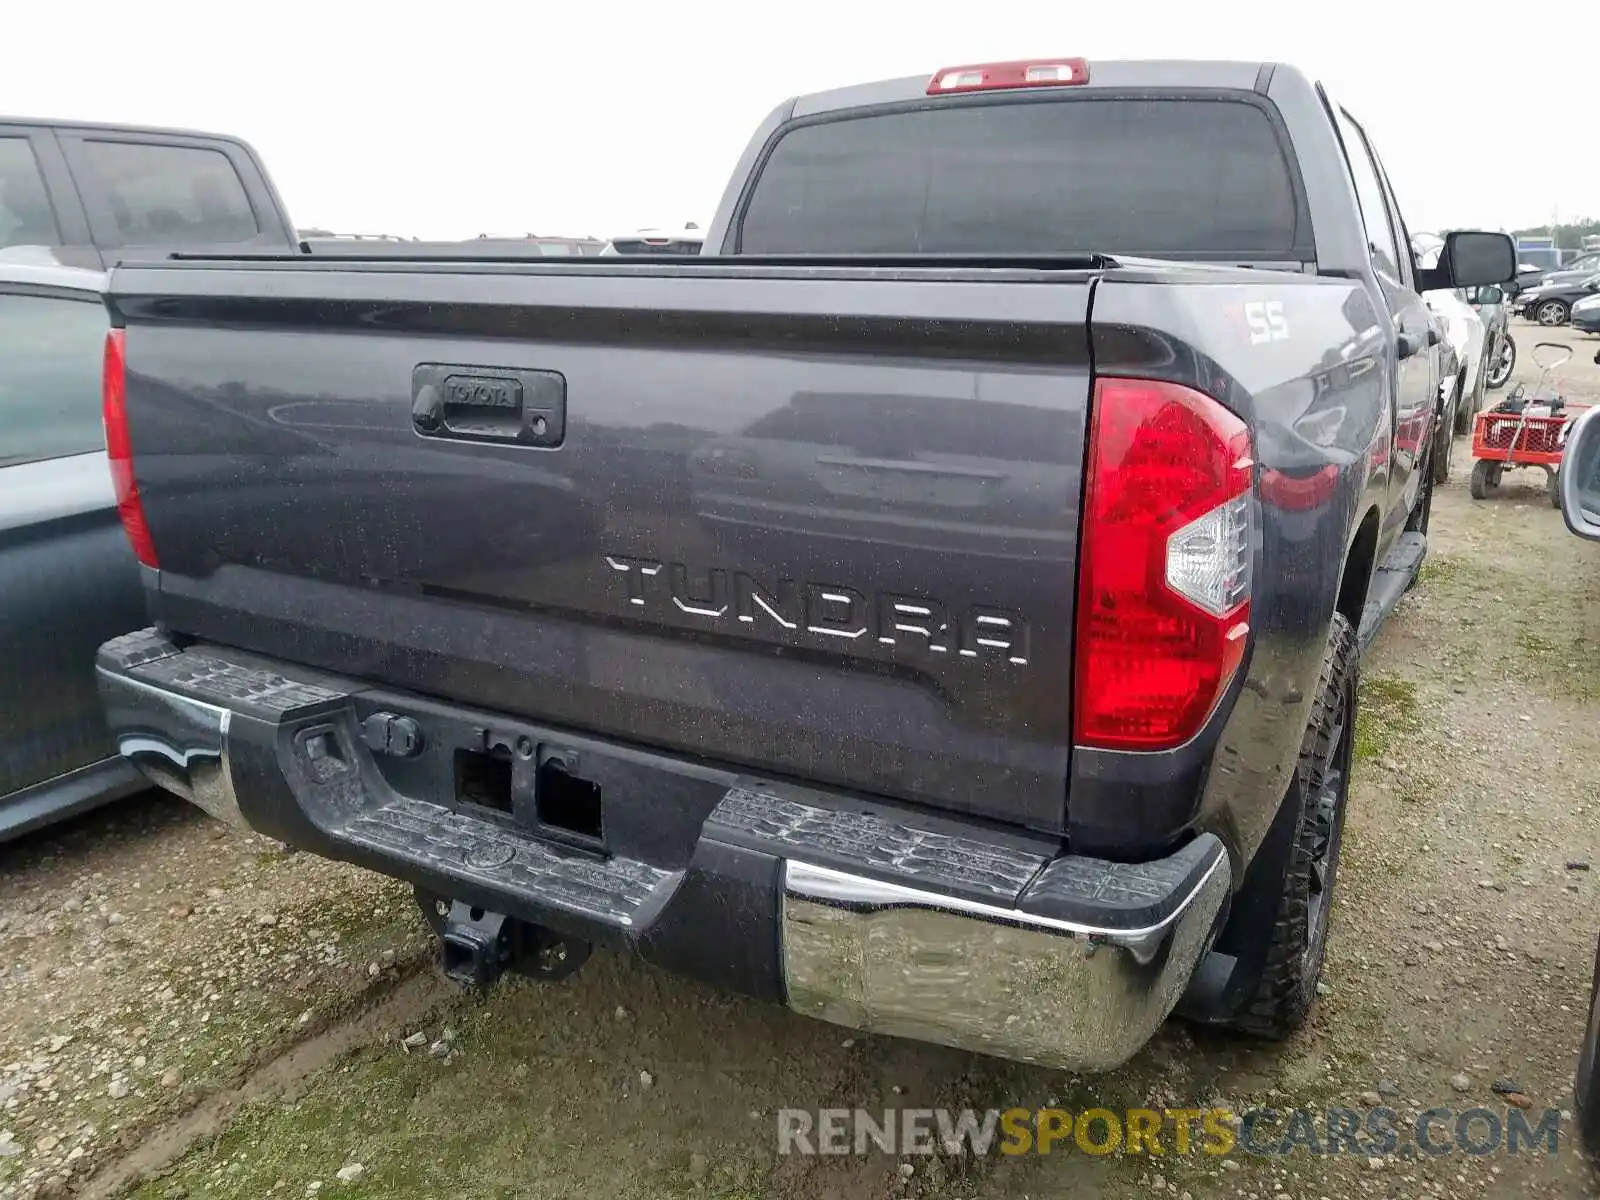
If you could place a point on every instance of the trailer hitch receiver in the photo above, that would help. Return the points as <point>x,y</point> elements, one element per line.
<point>476,945</point>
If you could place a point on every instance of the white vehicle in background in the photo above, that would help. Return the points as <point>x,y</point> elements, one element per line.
<point>1460,397</point>
<point>687,240</point>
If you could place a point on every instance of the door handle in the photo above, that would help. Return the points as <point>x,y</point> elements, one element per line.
<point>480,404</point>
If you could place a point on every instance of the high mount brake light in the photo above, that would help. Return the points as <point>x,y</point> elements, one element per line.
<point>1025,73</point>
<point>119,448</point>
<point>1164,576</point>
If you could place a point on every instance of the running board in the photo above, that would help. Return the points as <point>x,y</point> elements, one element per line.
<point>1389,583</point>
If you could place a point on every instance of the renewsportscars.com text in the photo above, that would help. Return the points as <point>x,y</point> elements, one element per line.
<point>1261,1132</point>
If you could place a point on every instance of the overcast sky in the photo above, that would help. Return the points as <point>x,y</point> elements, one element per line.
<point>588,117</point>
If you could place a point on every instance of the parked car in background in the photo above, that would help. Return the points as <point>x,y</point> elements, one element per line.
<point>1527,275</point>
<point>1460,390</point>
<point>1585,264</point>
<point>687,240</point>
<point>1588,261</point>
<point>68,579</point>
<point>1550,304</point>
<point>1493,307</point>
<point>1585,315</point>
<point>94,193</point>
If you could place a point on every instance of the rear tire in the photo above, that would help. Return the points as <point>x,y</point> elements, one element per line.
<point>1551,313</point>
<point>1422,511</point>
<point>1444,445</point>
<point>1282,998</point>
<point>1586,1086</point>
<point>1501,371</point>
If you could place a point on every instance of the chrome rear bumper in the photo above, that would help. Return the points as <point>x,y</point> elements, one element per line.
<point>1061,993</point>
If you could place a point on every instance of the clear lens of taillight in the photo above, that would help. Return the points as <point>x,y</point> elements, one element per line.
<point>1164,576</point>
<point>119,448</point>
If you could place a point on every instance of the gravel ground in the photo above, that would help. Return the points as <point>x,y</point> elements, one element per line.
<point>193,1013</point>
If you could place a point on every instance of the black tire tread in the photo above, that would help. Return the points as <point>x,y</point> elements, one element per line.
<point>1284,994</point>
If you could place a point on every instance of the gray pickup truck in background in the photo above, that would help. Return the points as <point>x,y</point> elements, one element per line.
<point>937,607</point>
<point>94,193</point>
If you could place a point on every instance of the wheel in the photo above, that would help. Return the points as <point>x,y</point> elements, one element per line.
<point>1417,522</point>
<point>1445,436</point>
<point>1552,484</point>
<point>1281,999</point>
<point>1503,366</point>
<point>1586,1087</point>
<point>1551,313</point>
<point>1464,408</point>
<point>1439,460</point>
<point>1484,479</point>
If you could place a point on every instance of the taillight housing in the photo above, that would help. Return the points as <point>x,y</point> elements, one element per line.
<point>119,448</point>
<point>1164,574</point>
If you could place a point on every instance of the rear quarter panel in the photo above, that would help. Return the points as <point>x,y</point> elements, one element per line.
<point>1305,362</point>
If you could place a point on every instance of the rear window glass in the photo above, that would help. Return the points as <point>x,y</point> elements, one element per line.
<point>1153,177</point>
<point>26,218</point>
<point>164,195</point>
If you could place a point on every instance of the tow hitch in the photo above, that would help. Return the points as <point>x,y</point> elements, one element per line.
<point>477,946</point>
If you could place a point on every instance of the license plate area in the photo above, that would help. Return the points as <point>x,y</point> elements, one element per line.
<point>592,796</point>
<point>538,785</point>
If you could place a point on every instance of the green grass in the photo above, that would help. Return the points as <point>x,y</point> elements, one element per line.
<point>1387,713</point>
<point>1439,569</point>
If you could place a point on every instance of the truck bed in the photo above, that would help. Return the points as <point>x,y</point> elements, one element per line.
<point>818,522</point>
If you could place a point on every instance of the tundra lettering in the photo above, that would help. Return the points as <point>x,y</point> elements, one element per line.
<point>826,610</point>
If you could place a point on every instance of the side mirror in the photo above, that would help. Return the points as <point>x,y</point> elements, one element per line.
<point>1580,476</point>
<point>1490,294</point>
<point>1471,258</point>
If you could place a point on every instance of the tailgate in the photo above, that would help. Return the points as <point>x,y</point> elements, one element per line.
<point>812,524</point>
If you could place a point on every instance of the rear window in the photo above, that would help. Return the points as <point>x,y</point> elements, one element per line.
<point>26,218</point>
<point>1152,177</point>
<point>165,195</point>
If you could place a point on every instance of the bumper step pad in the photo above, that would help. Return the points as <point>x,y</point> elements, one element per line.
<point>614,890</point>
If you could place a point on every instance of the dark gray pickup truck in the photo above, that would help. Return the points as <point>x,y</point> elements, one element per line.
<point>937,607</point>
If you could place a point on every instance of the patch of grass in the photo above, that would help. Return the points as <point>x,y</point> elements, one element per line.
<point>512,1113</point>
<point>1388,711</point>
<point>1440,569</point>
<point>1566,664</point>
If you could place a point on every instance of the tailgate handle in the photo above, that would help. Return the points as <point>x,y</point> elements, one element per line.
<point>489,404</point>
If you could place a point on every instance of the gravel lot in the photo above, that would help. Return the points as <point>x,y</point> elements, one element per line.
<point>194,1013</point>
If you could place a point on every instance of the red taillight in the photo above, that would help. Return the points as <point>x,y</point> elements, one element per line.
<point>1164,564</point>
<point>119,448</point>
<point>1030,72</point>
